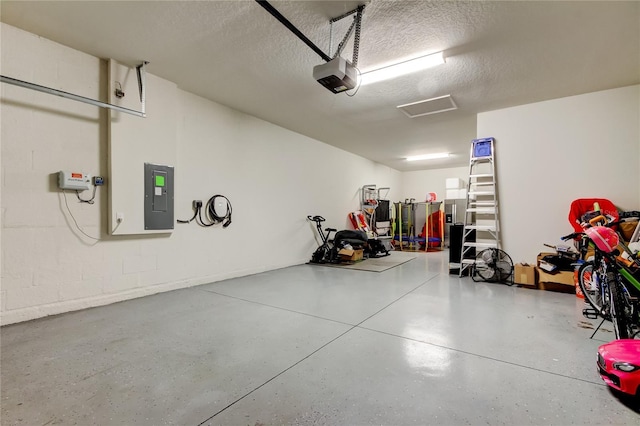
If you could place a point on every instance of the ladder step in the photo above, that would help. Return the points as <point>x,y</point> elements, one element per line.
<point>483,203</point>
<point>481,159</point>
<point>481,227</point>
<point>485,245</point>
<point>485,210</point>
<point>481,215</point>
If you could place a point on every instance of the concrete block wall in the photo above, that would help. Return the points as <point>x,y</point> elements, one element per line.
<point>41,134</point>
<point>273,177</point>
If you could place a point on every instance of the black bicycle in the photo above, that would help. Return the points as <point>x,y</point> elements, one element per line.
<point>329,250</point>
<point>326,253</point>
<point>611,287</point>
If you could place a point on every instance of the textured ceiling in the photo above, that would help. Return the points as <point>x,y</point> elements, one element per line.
<point>499,54</point>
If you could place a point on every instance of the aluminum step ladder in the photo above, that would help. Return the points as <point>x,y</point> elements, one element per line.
<point>481,225</point>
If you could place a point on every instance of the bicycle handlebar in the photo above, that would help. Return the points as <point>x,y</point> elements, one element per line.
<point>316,218</point>
<point>571,236</point>
<point>595,222</point>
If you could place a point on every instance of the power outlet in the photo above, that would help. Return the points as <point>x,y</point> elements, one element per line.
<point>119,217</point>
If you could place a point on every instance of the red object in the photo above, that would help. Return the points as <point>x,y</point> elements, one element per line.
<point>358,221</point>
<point>606,239</point>
<point>583,205</point>
<point>619,365</point>
<point>435,229</point>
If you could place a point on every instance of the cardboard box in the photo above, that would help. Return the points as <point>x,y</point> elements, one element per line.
<point>562,277</point>
<point>562,281</point>
<point>526,275</point>
<point>357,255</point>
<point>627,229</point>
<point>349,255</point>
<point>561,288</point>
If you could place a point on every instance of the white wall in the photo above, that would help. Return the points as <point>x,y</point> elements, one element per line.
<point>134,141</point>
<point>546,154</point>
<point>273,177</point>
<point>418,183</point>
<point>550,153</point>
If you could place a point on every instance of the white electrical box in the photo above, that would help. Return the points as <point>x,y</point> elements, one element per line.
<point>74,180</point>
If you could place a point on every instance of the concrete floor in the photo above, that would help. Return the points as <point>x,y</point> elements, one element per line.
<point>316,345</point>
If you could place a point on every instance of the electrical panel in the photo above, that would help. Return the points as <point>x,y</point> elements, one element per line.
<point>158,197</point>
<point>74,180</point>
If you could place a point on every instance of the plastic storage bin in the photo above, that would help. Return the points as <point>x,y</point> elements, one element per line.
<point>482,147</point>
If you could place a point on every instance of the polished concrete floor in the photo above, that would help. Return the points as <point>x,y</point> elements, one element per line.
<point>316,345</point>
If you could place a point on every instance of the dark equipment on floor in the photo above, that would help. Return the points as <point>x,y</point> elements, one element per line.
<point>323,254</point>
<point>493,265</point>
<point>328,252</point>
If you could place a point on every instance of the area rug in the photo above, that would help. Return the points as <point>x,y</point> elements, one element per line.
<point>378,264</point>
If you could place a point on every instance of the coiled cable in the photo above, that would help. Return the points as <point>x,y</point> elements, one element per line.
<point>211,216</point>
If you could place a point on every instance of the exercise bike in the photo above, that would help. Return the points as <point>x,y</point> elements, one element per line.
<point>326,253</point>
<point>329,249</point>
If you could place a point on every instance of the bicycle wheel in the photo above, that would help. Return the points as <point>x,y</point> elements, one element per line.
<point>619,312</point>
<point>590,286</point>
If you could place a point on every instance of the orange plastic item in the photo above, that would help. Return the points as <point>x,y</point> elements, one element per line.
<point>595,221</point>
<point>579,293</point>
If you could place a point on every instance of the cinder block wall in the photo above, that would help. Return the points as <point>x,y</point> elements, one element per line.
<point>273,177</point>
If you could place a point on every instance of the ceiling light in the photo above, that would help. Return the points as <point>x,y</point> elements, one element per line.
<point>428,156</point>
<point>401,68</point>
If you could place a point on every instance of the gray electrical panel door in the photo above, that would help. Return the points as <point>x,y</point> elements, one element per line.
<point>158,196</point>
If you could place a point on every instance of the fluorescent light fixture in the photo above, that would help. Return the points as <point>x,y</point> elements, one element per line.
<point>401,68</point>
<point>428,156</point>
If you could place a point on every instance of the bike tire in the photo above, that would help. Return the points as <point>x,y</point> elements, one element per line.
<point>621,324</point>
<point>589,286</point>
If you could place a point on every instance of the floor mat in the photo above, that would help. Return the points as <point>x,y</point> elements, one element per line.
<point>378,264</point>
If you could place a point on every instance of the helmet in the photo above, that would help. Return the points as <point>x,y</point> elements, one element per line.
<point>606,239</point>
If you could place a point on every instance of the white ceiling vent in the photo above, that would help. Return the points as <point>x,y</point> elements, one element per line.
<point>429,106</point>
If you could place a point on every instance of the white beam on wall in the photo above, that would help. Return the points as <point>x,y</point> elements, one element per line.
<point>78,98</point>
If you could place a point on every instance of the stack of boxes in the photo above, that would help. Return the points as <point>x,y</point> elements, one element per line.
<point>540,277</point>
<point>455,189</point>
